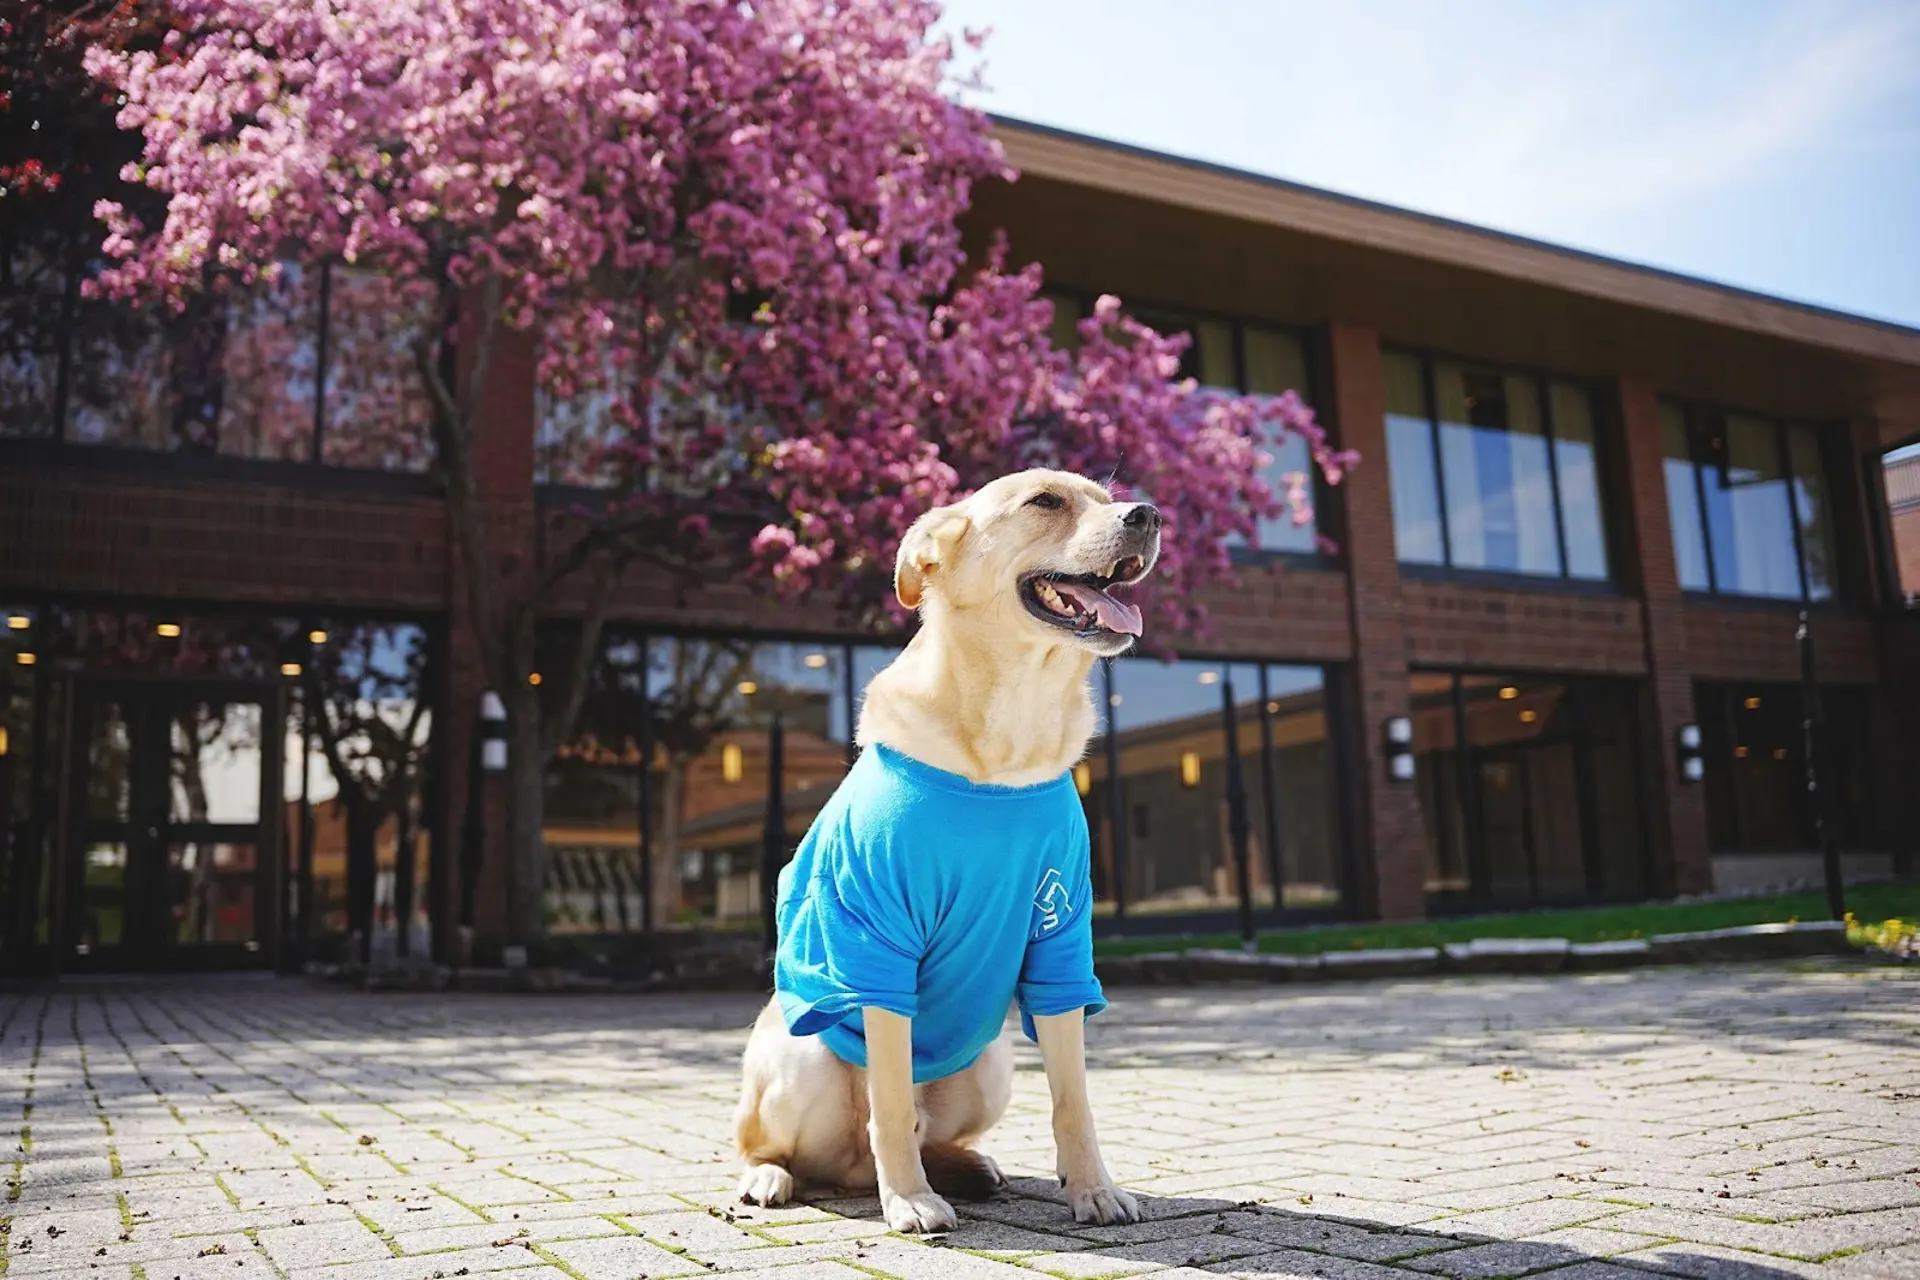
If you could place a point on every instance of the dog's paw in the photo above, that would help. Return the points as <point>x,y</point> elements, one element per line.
<point>922,1212</point>
<point>766,1184</point>
<point>994,1171</point>
<point>1102,1205</point>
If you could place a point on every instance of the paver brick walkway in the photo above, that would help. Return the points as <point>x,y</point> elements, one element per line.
<point>1744,1121</point>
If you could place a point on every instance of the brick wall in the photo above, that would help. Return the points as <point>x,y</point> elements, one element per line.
<point>1453,625</point>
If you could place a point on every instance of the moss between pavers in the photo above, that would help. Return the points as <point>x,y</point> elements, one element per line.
<point>1875,902</point>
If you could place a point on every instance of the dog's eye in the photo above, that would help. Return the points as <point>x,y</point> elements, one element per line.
<point>1047,501</point>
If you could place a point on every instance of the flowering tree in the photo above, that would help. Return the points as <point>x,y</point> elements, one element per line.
<point>730,228</point>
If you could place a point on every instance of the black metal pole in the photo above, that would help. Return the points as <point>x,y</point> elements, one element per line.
<point>1237,826</point>
<point>773,839</point>
<point>1811,738</point>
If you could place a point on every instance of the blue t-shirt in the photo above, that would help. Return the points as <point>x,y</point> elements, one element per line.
<point>941,900</point>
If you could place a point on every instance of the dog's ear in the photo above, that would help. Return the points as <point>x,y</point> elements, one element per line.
<point>930,543</point>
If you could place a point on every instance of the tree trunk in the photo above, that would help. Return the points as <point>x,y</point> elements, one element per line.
<point>526,820</point>
<point>403,874</point>
<point>664,893</point>
<point>363,866</point>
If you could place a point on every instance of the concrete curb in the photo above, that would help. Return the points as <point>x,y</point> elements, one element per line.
<point>1482,955</point>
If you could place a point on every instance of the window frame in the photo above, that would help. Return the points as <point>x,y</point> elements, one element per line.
<point>58,444</point>
<point>1324,495</point>
<point>1779,426</point>
<point>1604,460</point>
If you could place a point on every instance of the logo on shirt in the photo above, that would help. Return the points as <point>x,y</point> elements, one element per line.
<point>1052,902</point>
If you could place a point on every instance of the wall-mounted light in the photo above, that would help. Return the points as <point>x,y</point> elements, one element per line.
<point>1740,752</point>
<point>534,678</point>
<point>1779,753</point>
<point>1529,716</point>
<point>18,622</point>
<point>1273,708</point>
<point>733,764</point>
<point>25,659</point>
<point>1209,677</point>
<point>1509,692</point>
<point>4,744</point>
<point>816,660</point>
<point>1083,777</point>
<point>493,733</point>
<point>289,668</point>
<point>1693,766</point>
<point>1399,737</point>
<point>316,636</point>
<point>168,631</point>
<point>1752,704</point>
<point>1189,768</point>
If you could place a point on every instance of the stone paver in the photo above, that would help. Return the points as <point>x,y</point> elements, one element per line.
<point>1732,1121</point>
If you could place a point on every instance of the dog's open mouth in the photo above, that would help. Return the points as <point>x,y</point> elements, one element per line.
<point>1081,603</point>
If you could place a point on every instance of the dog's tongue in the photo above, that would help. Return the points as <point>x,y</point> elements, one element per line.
<point>1114,615</point>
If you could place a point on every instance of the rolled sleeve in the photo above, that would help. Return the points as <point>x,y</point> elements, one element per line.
<point>832,963</point>
<point>1057,974</point>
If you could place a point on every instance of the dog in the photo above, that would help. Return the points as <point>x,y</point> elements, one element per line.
<point>949,873</point>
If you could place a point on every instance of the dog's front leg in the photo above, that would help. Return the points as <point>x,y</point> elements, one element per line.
<point>1090,1188</point>
<point>893,1128</point>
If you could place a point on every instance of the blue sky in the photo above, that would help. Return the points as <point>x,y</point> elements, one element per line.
<point>1767,144</point>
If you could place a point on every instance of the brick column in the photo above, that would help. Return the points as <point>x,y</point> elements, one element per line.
<point>1677,810</point>
<point>1392,856</point>
<point>503,465</point>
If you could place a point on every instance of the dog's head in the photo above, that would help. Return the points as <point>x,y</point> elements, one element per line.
<point>1035,556</point>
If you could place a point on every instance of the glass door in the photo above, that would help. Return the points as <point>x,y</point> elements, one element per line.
<point>175,791</point>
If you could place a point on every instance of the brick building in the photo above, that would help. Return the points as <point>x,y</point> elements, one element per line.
<point>1594,500</point>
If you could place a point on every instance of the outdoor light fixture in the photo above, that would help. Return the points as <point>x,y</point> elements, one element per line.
<point>1189,768</point>
<point>493,733</point>
<point>1753,704</point>
<point>168,631</point>
<point>1082,774</point>
<point>1692,766</point>
<point>1209,677</point>
<point>316,636</point>
<point>733,765</point>
<point>289,668</point>
<point>1508,692</point>
<point>533,678</point>
<point>816,660</point>
<point>1399,735</point>
<point>747,688</point>
<point>25,659</point>
<point>18,622</point>
<point>1740,753</point>
<point>1529,716</point>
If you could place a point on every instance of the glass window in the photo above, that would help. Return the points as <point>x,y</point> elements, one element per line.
<point>1683,501</point>
<point>1766,527</point>
<point>1493,462</point>
<point>1068,312</point>
<point>1576,463</point>
<point>1177,851</point>
<point>1415,476</point>
<point>1753,741</point>
<point>1509,504</point>
<point>1813,509</point>
<point>1542,803</point>
<point>711,707</point>
<point>1300,792</point>
<point>1749,525</point>
<point>1277,363</point>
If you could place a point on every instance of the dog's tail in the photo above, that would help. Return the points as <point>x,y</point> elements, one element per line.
<point>959,1173</point>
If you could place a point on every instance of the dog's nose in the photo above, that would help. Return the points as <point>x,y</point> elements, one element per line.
<point>1144,516</point>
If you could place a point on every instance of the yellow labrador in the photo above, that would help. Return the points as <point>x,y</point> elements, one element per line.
<point>1013,588</point>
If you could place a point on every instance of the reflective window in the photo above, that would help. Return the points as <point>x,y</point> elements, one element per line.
<point>1478,479</point>
<point>1528,787</point>
<point>1414,472</point>
<point>1250,359</point>
<point>1165,844</point>
<point>1750,505</point>
<point>314,365</point>
<point>1753,742</point>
